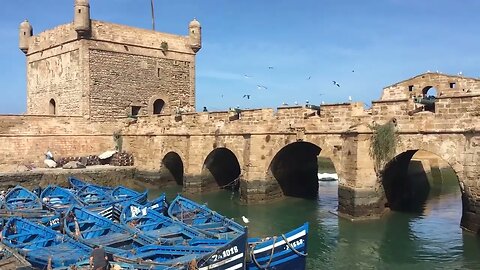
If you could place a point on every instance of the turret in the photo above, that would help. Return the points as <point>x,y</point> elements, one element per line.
<point>25,33</point>
<point>81,19</point>
<point>195,35</point>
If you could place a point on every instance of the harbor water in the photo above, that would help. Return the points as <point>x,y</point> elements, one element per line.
<point>432,239</point>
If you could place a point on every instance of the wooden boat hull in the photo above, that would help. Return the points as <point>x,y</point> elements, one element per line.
<point>40,244</point>
<point>20,198</point>
<point>286,252</point>
<point>78,184</point>
<point>93,229</point>
<point>161,229</point>
<point>203,219</point>
<point>58,199</point>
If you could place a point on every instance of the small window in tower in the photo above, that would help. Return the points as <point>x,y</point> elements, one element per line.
<point>136,110</point>
<point>453,85</point>
<point>24,33</point>
<point>52,107</point>
<point>158,106</point>
<point>193,31</point>
<point>79,11</point>
<point>158,72</point>
<point>410,88</point>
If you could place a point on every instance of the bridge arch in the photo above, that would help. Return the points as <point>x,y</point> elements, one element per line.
<point>172,167</point>
<point>295,168</point>
<point>403,192</point>
<point>221,169</point>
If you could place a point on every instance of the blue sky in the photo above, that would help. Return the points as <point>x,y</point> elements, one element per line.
<point>363,45</point>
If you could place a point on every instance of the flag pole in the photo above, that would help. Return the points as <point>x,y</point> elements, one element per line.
<point>153,15</point>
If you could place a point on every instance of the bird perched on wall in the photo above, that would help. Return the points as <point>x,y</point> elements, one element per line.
<point>336,84</point>
<point>245,219</point>
<point>246,96</point>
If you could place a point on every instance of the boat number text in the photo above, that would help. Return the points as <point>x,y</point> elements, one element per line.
<point>226,253</point>
<point>54,222</point>
<point>295,243</point>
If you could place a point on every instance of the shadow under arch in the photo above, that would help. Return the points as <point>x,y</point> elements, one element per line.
<point>295,168</point>
<point>172,167</point>
<point>221,169</point>
<point>408,184</point>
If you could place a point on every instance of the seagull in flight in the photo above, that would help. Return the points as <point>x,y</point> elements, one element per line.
<point>247,76</point>
<point>246,96</point>
<point>245,219</point>
<point>309,77</point>
<point>260,87</point>
<point>270,67</point>
<point>335,83</point>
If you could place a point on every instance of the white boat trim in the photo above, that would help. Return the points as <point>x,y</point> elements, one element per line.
<point>220,263</point>
<point>282,242</point>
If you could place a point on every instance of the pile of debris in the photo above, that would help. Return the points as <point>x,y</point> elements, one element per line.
<point>113,158</point>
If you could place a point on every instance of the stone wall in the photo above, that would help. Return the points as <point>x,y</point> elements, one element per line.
<point>101,175</point>
<point>25,139</point>
<point>121,80</point>
<point>445,85</point>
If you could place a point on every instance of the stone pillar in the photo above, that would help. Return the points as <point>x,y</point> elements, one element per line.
<point>359,194</point>
<point>469,179</point>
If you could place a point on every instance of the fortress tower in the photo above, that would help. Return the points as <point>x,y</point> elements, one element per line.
<point>103,70</point>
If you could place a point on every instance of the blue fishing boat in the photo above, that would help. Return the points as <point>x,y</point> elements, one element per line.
<point>78,184</point>
<point>288,251</point>
<point>122,195</point>
<point>204,219</point>
<point>159,228</point>
<point>20,198</point>
<point>91,197</point>
<point>231,255</point>
<point>93,229</point>
<point>58,199</point>
<point>41,246</point>
<point>159,204</point>
<point>126,245</point>
<point>285,252</point>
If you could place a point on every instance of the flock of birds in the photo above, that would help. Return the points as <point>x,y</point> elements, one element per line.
<point>263,87</point>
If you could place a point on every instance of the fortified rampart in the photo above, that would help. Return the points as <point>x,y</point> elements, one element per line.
<point>105,70</point>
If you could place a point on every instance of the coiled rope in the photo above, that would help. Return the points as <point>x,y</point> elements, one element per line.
<point>252,255</point>
<point>293,248</point>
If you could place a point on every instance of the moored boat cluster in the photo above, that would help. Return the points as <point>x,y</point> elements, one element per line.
<point>58,228</point>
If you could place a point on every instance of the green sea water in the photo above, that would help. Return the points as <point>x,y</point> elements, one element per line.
<point>429,240</point>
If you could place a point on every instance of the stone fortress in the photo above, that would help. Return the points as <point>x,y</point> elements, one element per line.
<point>88,80</point>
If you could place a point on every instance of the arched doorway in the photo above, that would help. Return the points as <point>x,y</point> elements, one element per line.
<point>295,167</point>
<point>429,95</point>
<point>222,169</point>
<point>172,168</point>
<point>158,106</point>
<point>52,107</point>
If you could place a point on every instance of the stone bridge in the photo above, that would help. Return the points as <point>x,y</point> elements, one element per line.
<point>273,153</point>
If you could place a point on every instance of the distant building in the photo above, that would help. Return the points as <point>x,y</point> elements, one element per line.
<point>103,70</point>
